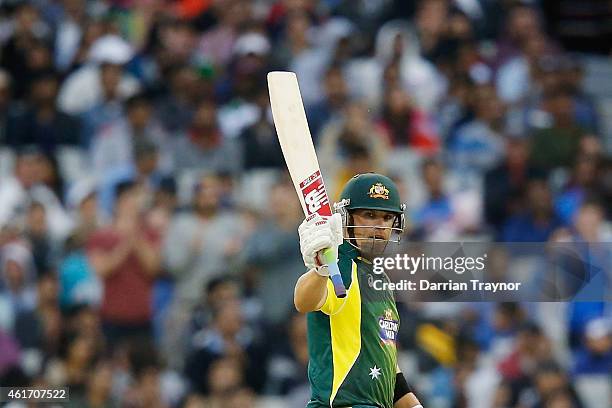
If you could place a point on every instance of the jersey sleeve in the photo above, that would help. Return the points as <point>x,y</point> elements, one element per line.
<point>332,303</point>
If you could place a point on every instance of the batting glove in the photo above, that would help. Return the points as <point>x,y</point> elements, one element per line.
<point>317,233</point>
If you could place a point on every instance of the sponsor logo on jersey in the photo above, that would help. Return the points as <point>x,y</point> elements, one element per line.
<point>379,190</point>
<point>389,327</point>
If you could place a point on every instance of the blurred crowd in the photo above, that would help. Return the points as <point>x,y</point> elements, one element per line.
<point>148,245</point>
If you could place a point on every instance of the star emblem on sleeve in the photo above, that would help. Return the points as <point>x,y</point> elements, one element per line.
<point>375,372</point>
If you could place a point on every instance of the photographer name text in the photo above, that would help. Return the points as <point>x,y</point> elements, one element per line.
<point>426,285</point>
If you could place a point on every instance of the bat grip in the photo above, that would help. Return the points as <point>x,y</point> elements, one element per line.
<point>334,272</point>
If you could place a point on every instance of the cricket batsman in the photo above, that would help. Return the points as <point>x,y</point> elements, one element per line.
<point>351,340</point>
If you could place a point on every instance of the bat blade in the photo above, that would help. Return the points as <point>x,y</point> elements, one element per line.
<point>296,142</point>
<point>300,155</point>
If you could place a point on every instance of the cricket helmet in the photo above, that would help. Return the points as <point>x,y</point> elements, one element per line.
<point>370,191</point>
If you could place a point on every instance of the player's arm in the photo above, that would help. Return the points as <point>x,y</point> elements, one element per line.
<point>310,292</point>
<point>403,396</point>
<point>316,233</point>
<point>106,262</point>
<point>408,401</point>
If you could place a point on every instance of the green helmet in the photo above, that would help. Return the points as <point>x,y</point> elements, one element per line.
<point>370,191</point>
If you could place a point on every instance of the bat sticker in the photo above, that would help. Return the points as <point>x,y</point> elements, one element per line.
<point>315,196</point>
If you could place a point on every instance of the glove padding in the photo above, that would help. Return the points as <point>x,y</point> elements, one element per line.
<point>317,233</point>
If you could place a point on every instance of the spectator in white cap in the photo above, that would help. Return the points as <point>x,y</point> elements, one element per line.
<point>84,88</point>
<point>595,357</point>
<point>396,41</point>
<point>250,61</point>
<point>593,363</point>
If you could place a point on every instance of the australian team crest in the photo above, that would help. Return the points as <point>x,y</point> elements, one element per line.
<point>379,190</point>
<point>389,327</point>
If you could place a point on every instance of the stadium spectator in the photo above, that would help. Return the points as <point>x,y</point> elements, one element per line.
<point>143,168</point>
<point>595,355</point>
<point>453,110</point>
<point>270,253</point>
<point>294,41</point>
<point>581,185</point>
<point>39,330</point>
<point>18,278</point>
<point>331,107</point>
<point>107,110</point>
<point>218,291</point>
<point>504,185</point>
<point>434,216</point>
<point>10,360</point>
<point>552,388</point>
<point>354,128</point>
<point>531,347</point>
<point>126,257</point>
<point>405,125</point>
<point>357,159</point>
<point>557,142</point>
<point>44,248</point>
<point>396,43</point>
<point>27,31</point>
<point>593,362</point>
<point>41,124</point>
<point>73,362</point>
<point>84,88</point>
<point>79,283</point>
<point>176,108</point>
<point>239,87</point>
<point>195,249</point>
<point>260,147</point>
<point>70,29</point>
<point>81,200</point>
<point>288,365</point>
<point>224,379</point>
<point>114,146</point>
<point>521,23</point>
<point>98,392</point>
<point>17,191</point>
<point>203,147</point>
<point>199,244</point>
<point>228,338</point>
<point>476,378</point>
<point>217,44</point>
<point>478,145</point>
<point>536,221</point>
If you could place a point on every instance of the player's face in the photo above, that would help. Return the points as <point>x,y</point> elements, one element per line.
<point>373,230</point>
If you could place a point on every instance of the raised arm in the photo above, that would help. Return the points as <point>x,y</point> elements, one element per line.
<point>310,292</point>
<point>104,262</point>
<point>149,254</point>
<point>316,234</point>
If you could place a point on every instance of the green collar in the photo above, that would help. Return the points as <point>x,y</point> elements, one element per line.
<point>346,250</point>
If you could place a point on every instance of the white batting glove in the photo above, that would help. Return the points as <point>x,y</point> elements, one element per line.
<point>317,233</point>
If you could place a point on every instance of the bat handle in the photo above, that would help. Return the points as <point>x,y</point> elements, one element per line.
<point>334,272</point>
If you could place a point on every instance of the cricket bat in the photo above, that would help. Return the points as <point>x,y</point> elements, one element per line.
<point>300,156</point>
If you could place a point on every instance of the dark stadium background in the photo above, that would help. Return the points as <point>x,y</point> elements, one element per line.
<point>148,244</point>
